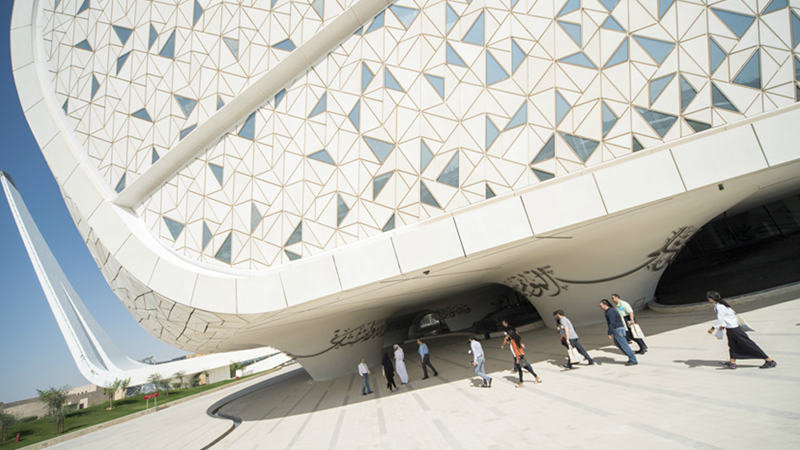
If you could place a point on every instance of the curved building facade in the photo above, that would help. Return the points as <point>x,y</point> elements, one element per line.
<point>295,173</point>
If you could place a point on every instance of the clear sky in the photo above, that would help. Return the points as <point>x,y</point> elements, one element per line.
<point>33,350</point>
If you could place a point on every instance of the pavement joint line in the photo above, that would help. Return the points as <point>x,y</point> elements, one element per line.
<point>701,399</point>
<point>305,423</point>
<point>338,427</point>
<point>381,421</point>
<point>448,436</point>
<point>421,402</point>
<point>680,439</point>
<point>573,403</point>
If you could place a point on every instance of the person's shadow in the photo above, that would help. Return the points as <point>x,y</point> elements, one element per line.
<point>600,360</point>
<point>694,363</point>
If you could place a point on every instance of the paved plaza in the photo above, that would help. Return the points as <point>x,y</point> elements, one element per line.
<point>677,397</point>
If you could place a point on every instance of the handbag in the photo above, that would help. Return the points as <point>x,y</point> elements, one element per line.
<point>743,324</point>
<point>636,331</point>
<point>575,356</point>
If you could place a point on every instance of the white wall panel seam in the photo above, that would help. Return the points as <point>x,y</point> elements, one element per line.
<point>678,168</point>
<point>761,147</point>
<point>600,193</point>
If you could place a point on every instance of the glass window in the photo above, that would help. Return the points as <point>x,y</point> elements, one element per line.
<point>217,171</point>
<point>376,23</point>
<point>663,7</point>
<point>233,46</point>
<point>379,182</point>
<point>120,184</point>
<point>224,252</point>
<point>489,192</point>
<point>142,114</point>
<point>750,75</point>
<point>491,132</point>
<point>154,156</point>
<point>198,12</point>
<point>84,7</point>
<point>121,61</point>
<point>389,224</point>
<point>658,50</point>
<point>715,54</point>
<point>609,119</point>
<point>380,148</point>
<point>425,195</point>
<point>279,97</point>
<point>297,235</point>
<point>579,59</point>
<point>206,235</point>
<point>220,103</point>
<point>168,50</point>
<point>366,77</point>
<point>753,225</point>
<point>122,33</point>
<point>719,99</point>
<point>714,236</point>
<point>581,146</point>
<point>797,67</point>
<point>795,29</point>
<point>517,56</point>
<point>548,150</point>
<point>425,156</point>
<point>437,83</point>
<point>636,145</point>
<point>660,122</point>
<point>619,56</point>
<point>450,173</point>
<point>520,117</point>
<point>658,85</point>
<point>153,37</point>
<point>494,71</point>
<point>609,4</point>
<point>292,256</point>
<point>562,108</point>
<point>321,107</point>
<point>452,57</point>
<point>187,131</point>
<point>355,115</point>
<point>572,5</point>
<point>775,5</point>
<point>255,217</point>
<point>341,210</point>
<point>285,44</point>
<point>95,86</point>
<point>698,126</point>
<point>187,105</point>
<point>451,18</point>
<point>738,23</point>
<point>573,30</point>
<point>175,228</point>
<point>65,106</point>
<point>612,24</point>
<point>390,82</point>
<point>319,7</point>
<point>405,15</point>
<point>248,130</point>
<point>323,156</point>
<point>541,175</point>
<point>688,93</point>
<point>475,33</point>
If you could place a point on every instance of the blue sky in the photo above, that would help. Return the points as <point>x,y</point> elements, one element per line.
<point>35,355</point>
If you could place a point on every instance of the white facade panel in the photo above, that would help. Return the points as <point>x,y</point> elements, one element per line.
<point>558,205</point>
<point>780,137</point>
<point>494,224</point>
<point>258,294</point>
<point>107,223</point>
<point>309,280</point>
<point>729,154</point>
<point>367,262</point>
<point>421,247</point>
<point>173,281</point>
<point>215,294</point>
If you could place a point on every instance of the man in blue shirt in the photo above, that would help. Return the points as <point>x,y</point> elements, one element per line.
<point>426,359</point>
<point>616,331</point>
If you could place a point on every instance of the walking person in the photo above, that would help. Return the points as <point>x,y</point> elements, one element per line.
<point>626,312</point>
<point>616,331</point>
<point>570,337</point>
<point>519,352</point>
<point>508,329</point>
<point>426,359</point>
<point>363,370</point>
<point>388,372</point>
<point>740,346</point>
<point>478,360</point>
<point>400,365</point>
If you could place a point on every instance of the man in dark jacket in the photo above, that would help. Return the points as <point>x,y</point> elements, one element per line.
<point>616,331</point>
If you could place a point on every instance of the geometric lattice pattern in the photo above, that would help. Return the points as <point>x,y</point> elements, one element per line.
<point>429,107</point>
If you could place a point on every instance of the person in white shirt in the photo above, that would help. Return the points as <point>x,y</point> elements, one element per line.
<point>363,370</point>
<point>739,343</point>
<point>478,360</point>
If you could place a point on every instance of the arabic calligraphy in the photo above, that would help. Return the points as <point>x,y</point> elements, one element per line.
<point>534,282</point>
<point>664,256</point>
<point>353,336</point>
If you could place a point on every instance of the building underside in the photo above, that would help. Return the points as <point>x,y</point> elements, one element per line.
<point>318,177</point>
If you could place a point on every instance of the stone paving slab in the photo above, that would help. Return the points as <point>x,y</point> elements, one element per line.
<point>677,397</point>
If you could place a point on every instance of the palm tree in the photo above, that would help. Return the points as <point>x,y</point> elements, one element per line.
<point>7,419</point>
<point>55,399</point>
<point>179,375</point>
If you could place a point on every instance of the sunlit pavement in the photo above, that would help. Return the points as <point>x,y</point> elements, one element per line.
<point>677,397</point>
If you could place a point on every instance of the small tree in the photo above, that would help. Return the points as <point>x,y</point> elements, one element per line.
<point>124,384</point>
<point>160,382</point>
<point>7,419</point>
<point>55,399</point>
<point>111,390</point>
<point>179,376</point>
<point>236,366</point>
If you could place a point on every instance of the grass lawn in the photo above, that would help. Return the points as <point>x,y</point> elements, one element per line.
<point>43,429</point>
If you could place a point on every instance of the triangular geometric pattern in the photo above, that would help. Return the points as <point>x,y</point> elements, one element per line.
<point>483,91</point>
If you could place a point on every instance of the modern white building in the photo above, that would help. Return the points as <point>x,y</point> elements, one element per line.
<point>299,173</point>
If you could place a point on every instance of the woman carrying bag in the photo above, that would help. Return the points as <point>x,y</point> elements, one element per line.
<point>739,343</point>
